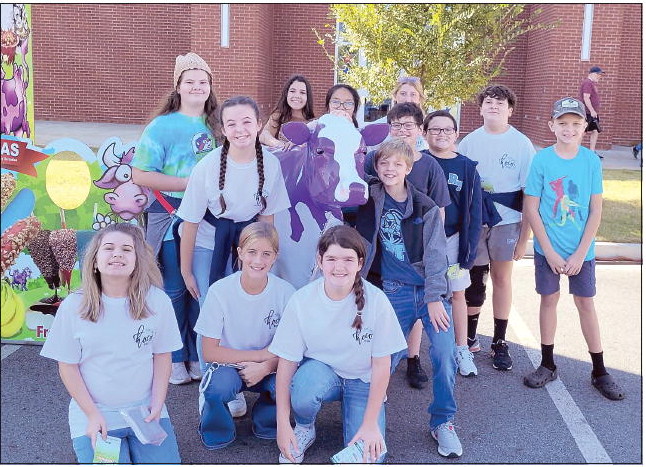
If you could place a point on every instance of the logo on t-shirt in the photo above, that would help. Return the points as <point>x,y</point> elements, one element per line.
<point>507,162</point>
<point>143,336</point>
<point>362,336</point>
<point>454,180</point>
<point>390,234</point>
<point>202,143</point>
<point>257,197</point>
<point>272,319</point>
<point>565,206</point>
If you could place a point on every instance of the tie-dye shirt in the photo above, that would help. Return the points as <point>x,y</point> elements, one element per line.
<point>172,144</point>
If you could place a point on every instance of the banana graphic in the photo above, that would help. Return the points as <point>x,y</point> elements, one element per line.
<point>14,322</point>
<point>8,308</point>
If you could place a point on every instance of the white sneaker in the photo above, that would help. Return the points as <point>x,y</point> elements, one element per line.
<point>448,443</point>
<point>305,436</point>
<point>238,406</point>
<point>194,371</point>
<point>464,359</point>
<point>178,374</point>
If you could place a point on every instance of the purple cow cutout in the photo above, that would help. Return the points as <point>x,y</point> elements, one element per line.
<point>126,199</point>
<point>323,173</point>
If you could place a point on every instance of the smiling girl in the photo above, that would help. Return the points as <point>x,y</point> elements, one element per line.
<point>113,340</point>
<point>231,187</point>
<point>294,105</point>
<point>334,341</point>
<point>240,315</point>
<point>170,146</point>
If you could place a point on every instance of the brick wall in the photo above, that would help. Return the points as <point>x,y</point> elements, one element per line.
<point>546,65</point>
<point>114,62</point>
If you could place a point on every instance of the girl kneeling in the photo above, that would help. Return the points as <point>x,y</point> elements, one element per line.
<point>237,322</point>
<point>343,331</point>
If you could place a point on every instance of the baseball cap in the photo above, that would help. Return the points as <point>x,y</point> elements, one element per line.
<point>190,61</point>
<point>596,69</point>
<point>568,105</point>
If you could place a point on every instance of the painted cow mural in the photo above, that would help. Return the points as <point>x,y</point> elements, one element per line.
<point>323,173</point>
<point>126,199</point>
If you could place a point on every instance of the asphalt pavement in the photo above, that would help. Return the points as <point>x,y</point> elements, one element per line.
<point>499,420</point>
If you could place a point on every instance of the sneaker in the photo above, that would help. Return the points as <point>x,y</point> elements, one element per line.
<point>500,354</point>
<point>415,374</point>
<point>305,436</point>
<point>448,443</point>
<point>238,406</point>
<point>178,374</point>
<point>464,359</point>
<point>194,371</point>
<point>474,345</point>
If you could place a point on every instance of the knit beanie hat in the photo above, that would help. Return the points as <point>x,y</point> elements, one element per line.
<point>190,61</point>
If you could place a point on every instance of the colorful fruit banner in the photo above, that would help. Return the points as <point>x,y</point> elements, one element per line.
<point>53,200</point>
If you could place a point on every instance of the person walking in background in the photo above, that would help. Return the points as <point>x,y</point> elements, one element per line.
<point>113,340</point>
<point>589,95</point>
<point>503,154</point>
<point>565,226</point>
<point>295,104</point>
<point>173,142</point>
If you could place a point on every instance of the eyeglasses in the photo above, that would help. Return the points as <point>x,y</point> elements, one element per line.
<point>437,131</point>
<point>408,79</point>
<point>405,126</point>
<point>336,103</point>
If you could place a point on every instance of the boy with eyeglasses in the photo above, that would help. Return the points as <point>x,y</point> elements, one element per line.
<point>427,176</point>
<point>462,223</point>
<point>503,154</point>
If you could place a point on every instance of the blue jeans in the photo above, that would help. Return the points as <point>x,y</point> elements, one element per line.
<point>186,308</point>
<point>217,428</point>
<point>409,305</point>
<point>132,451</point>
<point>315,383</point>
<point>201,271</point>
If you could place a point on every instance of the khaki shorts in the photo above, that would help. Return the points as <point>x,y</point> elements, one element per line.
<point>459,279</point>
<point>497,243</point>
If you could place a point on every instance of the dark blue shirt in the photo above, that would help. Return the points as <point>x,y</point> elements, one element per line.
<point>395,264</point>
<point>454,212</point>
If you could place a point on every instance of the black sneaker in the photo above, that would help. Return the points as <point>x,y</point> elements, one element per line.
<point>500,354</point>
<point>415,374</point>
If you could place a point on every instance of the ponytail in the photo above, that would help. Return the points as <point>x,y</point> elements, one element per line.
<point>223,171</point>
<point>261,173</point>
<point>359,300</point>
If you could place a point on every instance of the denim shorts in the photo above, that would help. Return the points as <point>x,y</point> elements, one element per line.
<point>547,283</point>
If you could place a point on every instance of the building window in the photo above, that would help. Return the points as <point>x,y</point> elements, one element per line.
<point>224,25</point>
<point>586,39</point>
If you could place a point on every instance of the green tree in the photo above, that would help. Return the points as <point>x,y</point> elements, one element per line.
<point>455,49</point>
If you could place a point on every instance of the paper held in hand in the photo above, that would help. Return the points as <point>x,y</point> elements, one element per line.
<point>146,432</point>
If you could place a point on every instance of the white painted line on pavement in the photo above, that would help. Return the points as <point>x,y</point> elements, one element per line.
<point>8,349</point>
<point>588,443</point>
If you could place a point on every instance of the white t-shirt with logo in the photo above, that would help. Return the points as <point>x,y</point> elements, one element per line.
<point>503,163</point>
<point>240,192</point>
<point>114,355</point>
<point>242,321</point>
<point>315,326</point>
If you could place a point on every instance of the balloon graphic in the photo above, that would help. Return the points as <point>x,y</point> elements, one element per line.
<point>68,180</point>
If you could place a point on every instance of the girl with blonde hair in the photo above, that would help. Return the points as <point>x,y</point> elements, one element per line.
<point>113,340</point>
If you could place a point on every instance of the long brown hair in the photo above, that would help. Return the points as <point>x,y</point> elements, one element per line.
<point>145,275</point>
<point>347,237</point>
<point>283,111</point>
<point>241,100</point>
<point>173,101</point>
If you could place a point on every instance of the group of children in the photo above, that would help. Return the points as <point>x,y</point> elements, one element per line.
<point>437,222</point>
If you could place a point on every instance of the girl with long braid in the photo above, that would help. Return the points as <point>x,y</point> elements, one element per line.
<point>228,189</point>
<point>342,330</point>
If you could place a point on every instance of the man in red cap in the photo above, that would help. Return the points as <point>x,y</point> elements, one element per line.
<point>590,97</point>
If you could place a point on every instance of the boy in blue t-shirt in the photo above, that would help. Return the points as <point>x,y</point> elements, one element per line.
<point>462,222</point>
<point>563,206</point>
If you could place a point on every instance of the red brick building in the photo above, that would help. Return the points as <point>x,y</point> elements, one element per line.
<point>114,62</point>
